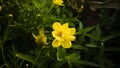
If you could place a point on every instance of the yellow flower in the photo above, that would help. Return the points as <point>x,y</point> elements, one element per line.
<point>40,39</point>
<point>58,2</point>
<point>10,15</point>
<point>0,8</point>
<point>63,35</point>
<point>81,8</point>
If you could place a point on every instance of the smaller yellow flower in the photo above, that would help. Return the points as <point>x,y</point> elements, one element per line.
<point>40,39</point>
<point>58,2</point>
<point>0,8</point>
<point>63,35</point>
<point>10,15</point>
<point>81,8</point>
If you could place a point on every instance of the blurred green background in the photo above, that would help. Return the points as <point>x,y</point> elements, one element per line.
<point>20,18</point>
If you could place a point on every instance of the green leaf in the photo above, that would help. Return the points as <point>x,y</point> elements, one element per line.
<point>80,25</point>
<point>25,57</point>
<point>61,53</point>
<point>92,37</point>
<point>83,62</point>
<point>70,64</point>
<point>79,32</point>
<point>107,38</point>
<point>79,47</point>
<point>2,65</point>
<point>89,63</point>
<point>73,57</point>
<point>91,45</point>
<point>88,29</point>
<point>59,64</point>
<point>112,49</point>
<point>98,32</point>
<point>36,3</point>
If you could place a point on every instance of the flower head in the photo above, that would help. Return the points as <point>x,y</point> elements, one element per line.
<point>40,39</point>
<point>0,8</point>
<point>63,35</point>
<point>10,15</point>
<point>81,8</point>
<point>58,2</point>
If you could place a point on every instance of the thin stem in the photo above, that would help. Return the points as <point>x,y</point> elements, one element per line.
<point>21,64</point>
<point>1,45</point>
<point>58,10</point>
<point>70,65</point>
<point>101,56</point>
<point>2,50</point>
<point>49,9</point>
<point>36,58</point>
<point>14,56</point>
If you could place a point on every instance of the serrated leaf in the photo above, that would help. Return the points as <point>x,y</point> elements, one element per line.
<point>25,57</point>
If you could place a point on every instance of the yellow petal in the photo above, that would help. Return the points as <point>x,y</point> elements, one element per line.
<point>41,32</point>
<point>44,40</point>
<point>54,34</point>
<point>71,38</point>
<point>58,2</point>
<point>72,31</point>
<point>56,43</point>
<point>56,26</point>
<point>65,26</point>
<point>66,44</point>
<point>57,36</point>
<point>37,38</point>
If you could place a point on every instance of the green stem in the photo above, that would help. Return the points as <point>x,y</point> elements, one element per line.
<point>70,65</point>
<point>58,10</point>
<point>21,63</point>
<point>2,50</point>
<point>14,56</point>
<point>1,45</point>
<point>101,56</point>
<point>40,64</point>
<point>36,58</point>
<point>49,9</point>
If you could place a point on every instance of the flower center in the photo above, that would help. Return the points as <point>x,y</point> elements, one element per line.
<point>60,33</point>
